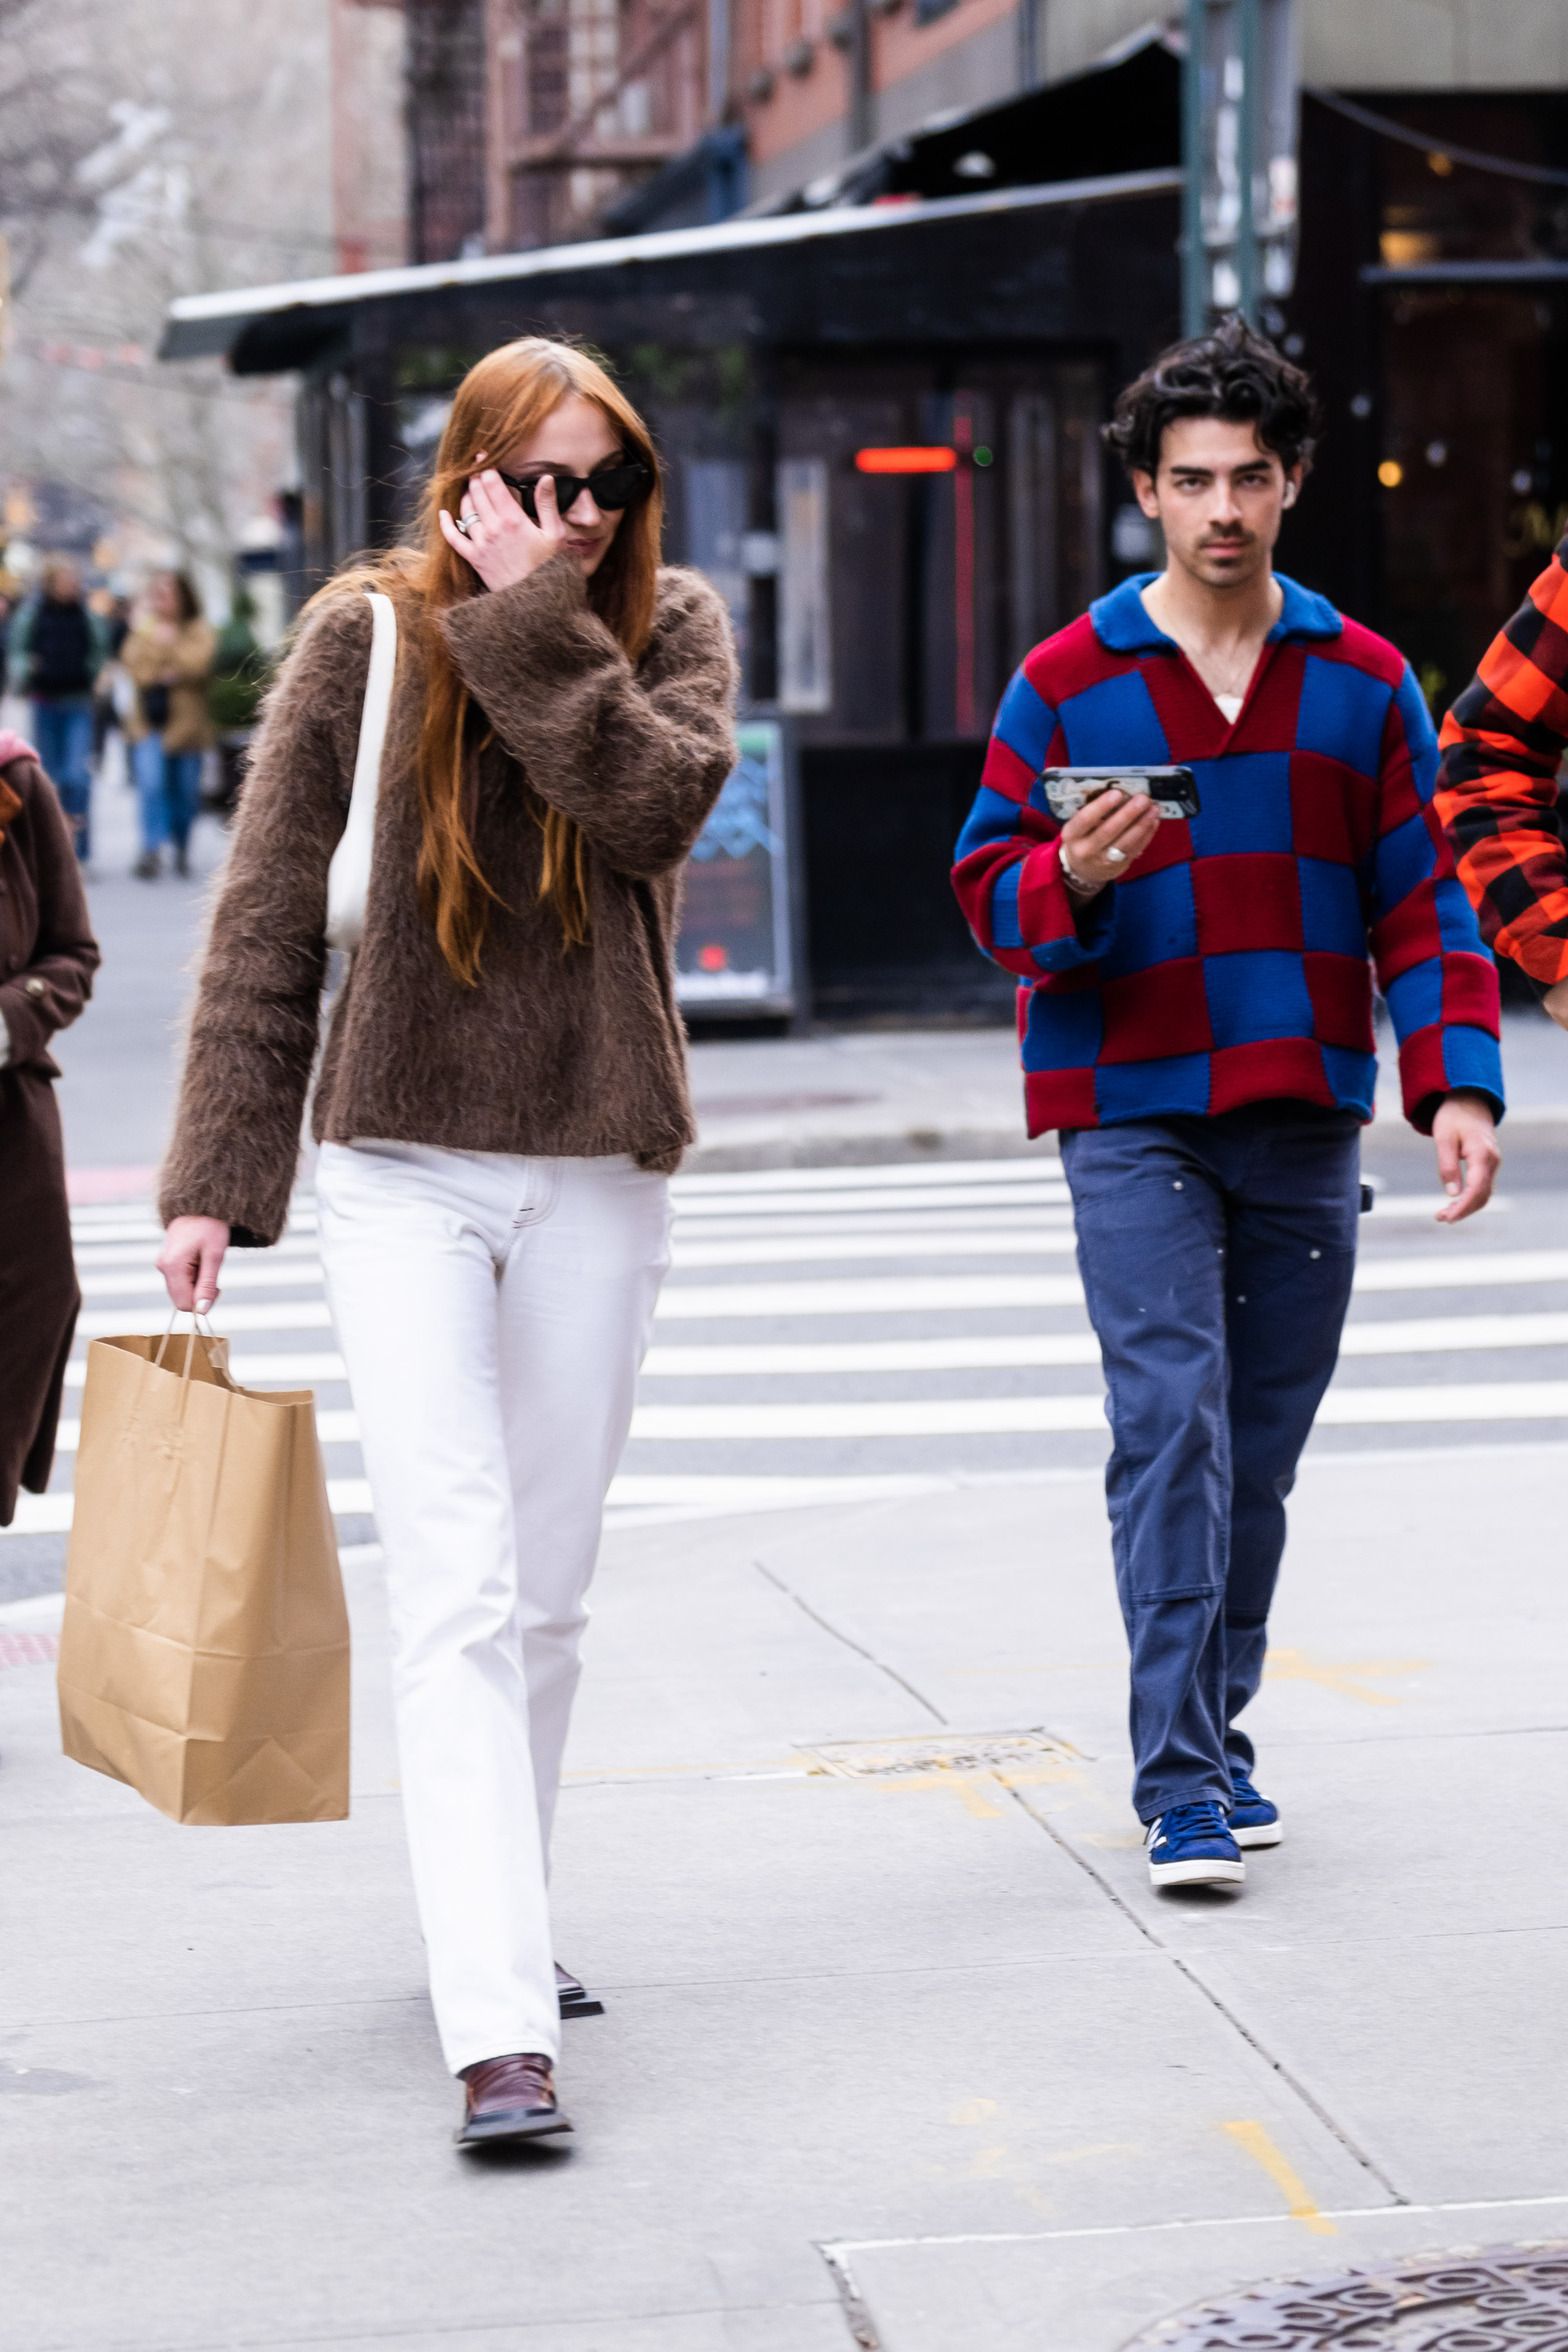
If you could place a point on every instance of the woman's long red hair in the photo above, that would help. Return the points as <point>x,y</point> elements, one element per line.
<point>502,400</point>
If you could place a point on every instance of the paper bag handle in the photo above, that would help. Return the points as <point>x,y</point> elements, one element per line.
<point>191,1337</point>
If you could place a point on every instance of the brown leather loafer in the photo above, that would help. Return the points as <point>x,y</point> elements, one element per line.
<point>509,2098</point>
<point>572,1996</point>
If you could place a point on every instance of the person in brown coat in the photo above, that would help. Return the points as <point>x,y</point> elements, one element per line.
<point>501,1096</point>
<point>47,958</point>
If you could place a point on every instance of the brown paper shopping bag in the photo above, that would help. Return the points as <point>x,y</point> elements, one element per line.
<point>205,1654</point>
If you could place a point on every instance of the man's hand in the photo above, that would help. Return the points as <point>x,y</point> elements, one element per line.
<point>1112,821</point>
<point>1464,1131</point>
<point>191,1261</point>
<point>500,542</point>
<point>1556,1003</point>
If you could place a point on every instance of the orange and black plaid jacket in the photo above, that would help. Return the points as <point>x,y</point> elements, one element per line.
<point>1502,744</point>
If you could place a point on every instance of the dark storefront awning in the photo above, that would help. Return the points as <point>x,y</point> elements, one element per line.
<point>267,329</point>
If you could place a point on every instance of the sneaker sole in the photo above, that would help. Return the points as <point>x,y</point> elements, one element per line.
<point>1263,1833</point>
<point>1196,1874</point>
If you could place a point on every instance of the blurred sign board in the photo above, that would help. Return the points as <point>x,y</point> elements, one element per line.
<point>736,951</point>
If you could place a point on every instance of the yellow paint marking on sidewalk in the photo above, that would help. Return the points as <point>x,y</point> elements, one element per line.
<point>1282,2172</point>
<point>1348,1679</point>
<point>966,1786</point>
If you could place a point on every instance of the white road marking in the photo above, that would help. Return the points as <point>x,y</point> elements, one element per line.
<point>1473,1270</point>
<point>1055,1219</point>
<point>292,1245</point>
<point>900,1172</point>
<point>1423,1335</point>
<point>962,1240</point>
<point>1009,1416</point>
<point>301,1371</point>
<point>1003,1352</point>
<point>279,1315</point>
<point>1037,1193</point>
<point>873,1294</point>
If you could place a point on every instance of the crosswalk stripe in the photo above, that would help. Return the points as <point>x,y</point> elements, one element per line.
<point>808,1223</point>
<point>693,1229</point>
<point>277,1314</point>
<point>302,1246</point>
<point>872,1295</point>
<point>1003,1416</point>
<point>912,1294</point>
<point>242,1270</point>
<point>299,1370</point>
<point>1476,1271</point>
<point>1021,1240</point>
<point>990,1351</point>
<point>947,1197</point>
<point>865,1176</point>
<point>1001,1352</point>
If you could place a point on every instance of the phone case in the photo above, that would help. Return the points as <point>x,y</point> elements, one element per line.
<point>1174,790</point>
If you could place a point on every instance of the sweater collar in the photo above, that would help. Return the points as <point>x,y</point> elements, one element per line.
<point>1122,624</point>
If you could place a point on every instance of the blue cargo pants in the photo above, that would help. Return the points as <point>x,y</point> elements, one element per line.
<point>1216,1256</point>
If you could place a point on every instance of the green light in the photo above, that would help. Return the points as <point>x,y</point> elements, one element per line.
<point>982,456</point>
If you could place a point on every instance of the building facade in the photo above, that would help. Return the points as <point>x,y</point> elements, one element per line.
<point>974,283</point>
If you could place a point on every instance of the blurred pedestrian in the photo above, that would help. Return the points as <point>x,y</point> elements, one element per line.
<point>57,647</point>
<point>47,958</point>
<point>502,1096</point>
<point>114,612</point>
<point>168,653</point>
<point>1499,795</point>
<point>1197,995</point>
<point>234,697</point>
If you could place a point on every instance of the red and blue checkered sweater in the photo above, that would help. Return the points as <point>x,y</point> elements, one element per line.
<point>1234,962</point>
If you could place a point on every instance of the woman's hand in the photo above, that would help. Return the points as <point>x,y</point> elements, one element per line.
<point>1109,834</point>
<point>191,1261</point>
<point>500,542</point>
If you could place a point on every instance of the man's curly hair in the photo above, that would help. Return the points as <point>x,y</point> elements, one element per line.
<point>1232,373</point>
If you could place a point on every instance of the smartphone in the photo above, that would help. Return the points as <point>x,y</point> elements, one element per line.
<point>1172,789</point>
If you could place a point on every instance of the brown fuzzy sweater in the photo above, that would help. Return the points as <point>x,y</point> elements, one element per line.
<point>568,1054</point>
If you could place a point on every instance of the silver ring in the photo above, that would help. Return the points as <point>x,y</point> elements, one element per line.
<point>466,523</point>
<point>1116,856</point>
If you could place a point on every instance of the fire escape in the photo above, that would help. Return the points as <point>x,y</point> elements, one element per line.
<point>592,97</point>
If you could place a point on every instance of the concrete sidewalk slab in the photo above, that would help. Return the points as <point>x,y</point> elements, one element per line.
<point>1095,2291</point>
<point>869,1998</point>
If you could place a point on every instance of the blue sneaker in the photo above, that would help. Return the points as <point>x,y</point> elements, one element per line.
<point>1254,1820</point>
<point>1192,1846</point>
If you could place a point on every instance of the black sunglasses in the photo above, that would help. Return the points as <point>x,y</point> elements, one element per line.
<point>614,487</point>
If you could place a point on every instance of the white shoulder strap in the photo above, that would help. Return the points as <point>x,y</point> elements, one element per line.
<point>348,877</point>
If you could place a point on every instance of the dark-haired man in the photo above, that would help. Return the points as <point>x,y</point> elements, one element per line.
<point>1197,1020</point>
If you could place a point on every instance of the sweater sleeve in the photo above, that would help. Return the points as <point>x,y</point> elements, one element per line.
<point>1440,984</point>
<point>1503,743</point>
<point>1008,871</point>
<point>636,755</point>
<point>51,990</point>
<point>254,1028</point>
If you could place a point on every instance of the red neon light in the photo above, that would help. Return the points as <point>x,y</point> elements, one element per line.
<point>964,699</point>
<point>905,461</point>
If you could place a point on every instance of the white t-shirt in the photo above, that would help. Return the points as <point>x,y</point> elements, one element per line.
<point>1230,706</point>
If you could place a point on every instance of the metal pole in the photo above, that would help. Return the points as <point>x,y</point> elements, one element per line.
<point>1194,268</point>
<point>1250,46</point>
<point>862,128</point>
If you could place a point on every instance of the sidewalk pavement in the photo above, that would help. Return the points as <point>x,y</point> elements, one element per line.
<point>900,2049</point>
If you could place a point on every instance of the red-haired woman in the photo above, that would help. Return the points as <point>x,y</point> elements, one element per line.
<point>501,1098</point>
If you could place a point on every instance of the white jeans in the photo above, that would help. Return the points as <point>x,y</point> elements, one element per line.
<point>493,1312</point>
